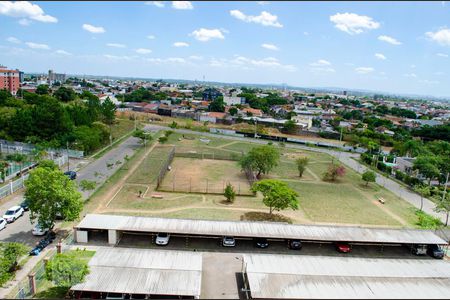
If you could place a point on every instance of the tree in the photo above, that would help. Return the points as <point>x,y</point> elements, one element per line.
<point>173,125</point>
<point>334,171</point>
<point>18,158</point>
<point>163,139</point>
<point>369,176</point>
<point>87,185</point>
<point>233,111</point>
<point>423,191</point>
<point>277,195</point>
<point>217,105</point>
<point>12,252</point>
<point>50,193</point>
<point>108,109</point>
<point>443,205</point>
<point>301,162</point>
<point>42,89</point>
<point>66,269</point>
<point>229,193</point>
<point>142,135</point>
<point>427,166</point>
<point>3,169</point>
<point>65,94</point>
<point>261,159</point>
<point>290,127</point>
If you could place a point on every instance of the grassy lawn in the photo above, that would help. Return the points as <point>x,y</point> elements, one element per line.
<point>121,127</point>
<point>205,214</point>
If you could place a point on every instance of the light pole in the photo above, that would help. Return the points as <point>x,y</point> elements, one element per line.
<point>68,164</point>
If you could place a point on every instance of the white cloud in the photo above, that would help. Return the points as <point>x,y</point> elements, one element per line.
<point>24,22</point>
<point>265,18</point>
<point>305,33</point>
<point>182,5</point>
<point>439,73</point>
<point>353,23</point>
<point>115,57</point>
<point>364,70</point>
<point>159,4</point>
<point>37,46</point>
<point>151,37</point>
<point>442,54</point>
<point>173,60</point>
<point>426,81</point>
<point>442,36</point>
<point>410,75</point>
<point>320,63</point>
<point>270,47</point>
<point>25,10</point>
<point>380,56</point>
<point>180,44</point>
<point>205,35</point>
<point>62,52</point>
<point>263,2</point>
<point>93,29</point>
<point>244,63</point>
<point>143,51</point>
<point>114,45</point>
<point>412,66</point>
<point>195,57</point>
<point>14,40</point>
<point>389,39</point>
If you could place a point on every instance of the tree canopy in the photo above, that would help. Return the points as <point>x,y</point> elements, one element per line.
<point>369,176</point>
<point>277,195</point>
<point>261,159</point>
<point>66,269</point>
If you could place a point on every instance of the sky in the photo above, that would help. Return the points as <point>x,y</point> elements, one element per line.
<point>397,47</point>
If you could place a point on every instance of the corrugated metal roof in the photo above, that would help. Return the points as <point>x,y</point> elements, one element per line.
<point>261,229</point>
<point>143,271</point>
<point>289,276</point>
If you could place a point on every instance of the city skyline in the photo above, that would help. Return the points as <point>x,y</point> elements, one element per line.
<point>365,46</point>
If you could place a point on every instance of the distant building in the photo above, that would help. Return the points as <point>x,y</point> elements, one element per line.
<point>211,94</point>
<point>233,100</point>
<point>303,120</point>
<point>55,77</point>
<point>9,80</point>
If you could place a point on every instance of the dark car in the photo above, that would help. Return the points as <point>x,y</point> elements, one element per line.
<point>71,174</point>
<point>261,243</point>
<point>343,247</point>
<point>295,245</point>
<point>35,251</point>
<point>435,251</point>
<point>24,205</point>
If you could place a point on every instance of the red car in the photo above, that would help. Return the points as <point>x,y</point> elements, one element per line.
<point>343,247</point>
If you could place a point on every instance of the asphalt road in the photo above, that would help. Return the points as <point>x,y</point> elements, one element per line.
<point>345,157</point>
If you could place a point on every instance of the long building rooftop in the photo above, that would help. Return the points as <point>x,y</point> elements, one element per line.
<point>143,271</point>
<point>312,277</point>
<point>260,229</point>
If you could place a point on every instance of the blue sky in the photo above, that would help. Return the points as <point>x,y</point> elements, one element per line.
<point>401,47</point>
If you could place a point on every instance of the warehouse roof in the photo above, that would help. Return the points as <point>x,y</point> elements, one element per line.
<point>260,229</point>
<point>294,276</point>
<point>143,271</point>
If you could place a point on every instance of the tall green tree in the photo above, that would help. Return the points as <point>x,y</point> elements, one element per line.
<point>301,162</point>
<point>108,109</point>
<point>443,205</point>
<point>277,195</point>
<point>261,159</point>
<point>17,158</point>
<point>42,89</point>
<point>290,127</point>
<point>428,166</point>
<point>65,94</point>
<point>51,193</point>
<point>143,136</point>
<point>217,105</point>
<point>66,270</point>
<point>369,176</point>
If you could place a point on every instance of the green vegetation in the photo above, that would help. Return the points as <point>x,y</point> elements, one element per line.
<point>50,194</point>
<point>301,162</point>
<point>334,171</point>
<point>277,195</point>
<point>426,221</point>
<point>66,269</point>
<point>369,176</point>
<point>261,159</point>
<point>230,193</point>
<point>11,253</point>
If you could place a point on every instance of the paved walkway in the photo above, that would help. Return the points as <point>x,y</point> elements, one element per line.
<point>344,157</point>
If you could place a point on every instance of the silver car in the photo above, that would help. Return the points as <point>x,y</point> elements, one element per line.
<point>228,241</point>
<point>162,239</point>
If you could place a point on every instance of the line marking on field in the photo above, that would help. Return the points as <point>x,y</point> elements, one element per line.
<point>114,196</point>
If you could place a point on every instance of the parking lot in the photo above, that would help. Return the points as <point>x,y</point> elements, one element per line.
<point>208,244</point>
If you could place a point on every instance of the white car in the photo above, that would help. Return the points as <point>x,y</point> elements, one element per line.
<point>39,231</point>
<point>228,241</point>
<point>2,223</point>
<point>162,239</point>
<point>13,214</point>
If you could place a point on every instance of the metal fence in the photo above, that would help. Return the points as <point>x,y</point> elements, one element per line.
<point>29,149</point>
<point>164,167</point>
<point>193,185</point>
<point>14,186</point>
<point>209,155</point>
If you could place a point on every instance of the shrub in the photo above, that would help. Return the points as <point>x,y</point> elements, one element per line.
<point>426,221</point>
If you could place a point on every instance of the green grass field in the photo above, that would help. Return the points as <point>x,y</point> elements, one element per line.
<point>347,201</point>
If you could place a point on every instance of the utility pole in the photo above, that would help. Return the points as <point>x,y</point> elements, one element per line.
<point>340,139</point>
<point>256,127</point>
<point>445,187</point>
<point>67,148</point>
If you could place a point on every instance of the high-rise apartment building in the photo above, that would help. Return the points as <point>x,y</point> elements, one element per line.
<point>9,80</point>
<point>55,77</point>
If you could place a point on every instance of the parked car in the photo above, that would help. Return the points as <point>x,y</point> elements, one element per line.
<point>35,251</point>
<point>2,223</point>
<point>261,243</point>
<point>295,245</point>
<point>39,231</point>
<point>418,249</point>
<point>343,247</point>
<point>13,214</point>
<point>162,238</point>
<point>24,205</point>
<point>435,251</point>
<point>71,174</point>
<point>228,241</point>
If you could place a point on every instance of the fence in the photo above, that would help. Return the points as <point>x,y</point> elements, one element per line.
<point>209,155</point>
<point>29,149</point>
<point>193,185</point>
<point>14,186</point>
<point>164,167</point>
<point>251,177</point>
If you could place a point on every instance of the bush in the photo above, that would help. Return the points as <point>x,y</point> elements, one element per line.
<point>367,158</point>
<point>426,221</point>
<point>400,175</point>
